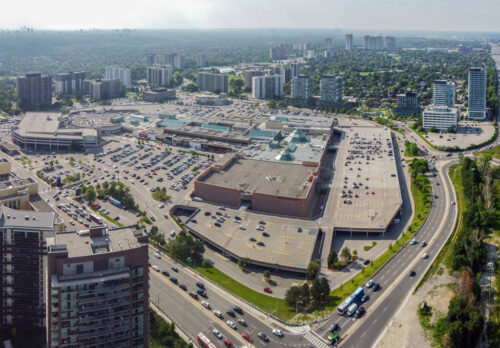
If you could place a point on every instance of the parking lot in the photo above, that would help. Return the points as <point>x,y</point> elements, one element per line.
<point>467,133</point>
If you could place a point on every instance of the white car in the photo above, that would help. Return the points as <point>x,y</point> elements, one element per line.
<point>217,334</point>
<point>157,255</point>
<point>413,241</point>
<point>425,256</point>
<point>278,333</point>
<point>242,321</point>
<point>242,227</point>
<point>231,324</point>
<point>205,304</point>
<point>156,268</point>
<point>161,206</point>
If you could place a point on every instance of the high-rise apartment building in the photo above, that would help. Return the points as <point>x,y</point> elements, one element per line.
<point>217,83</point>
<point>23,261</point>
<point>97,289</point>
<point>443,93</point>
<point>407,104</point>
<point>302,87</point>
<point>374,42</point>
<point>249,74</point>
<point>277,53</point>
<point>348,42</point>
<point>103,89</point>
<point>179,61</point>
<point>159,75</point>
<point>328,43</point>
<point>477,94</point>
<point>153,59</point>
<point>35,91</point>
<point>69,83</point>
<point>267,87</point>
<point>390,42</point>
<point>331,89</point>
<point>117,73</point>
<point>296,69</point>
<point>201,60</point>
<point>286,72</point>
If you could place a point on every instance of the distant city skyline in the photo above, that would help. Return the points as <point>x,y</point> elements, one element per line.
<point>448,15</point>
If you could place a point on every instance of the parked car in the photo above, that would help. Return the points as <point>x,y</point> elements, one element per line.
<point>268,290</point>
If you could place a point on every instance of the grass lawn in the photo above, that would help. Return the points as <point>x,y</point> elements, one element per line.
<point>107,217</point>
<point>494,152</point>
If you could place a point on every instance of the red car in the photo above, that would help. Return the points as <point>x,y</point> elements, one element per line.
<point>268,289</point>
<point>437,183</point>
<point>246,336</point>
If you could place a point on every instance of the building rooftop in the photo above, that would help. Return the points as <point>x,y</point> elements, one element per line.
<point>12,218</point>
<point>98,240</point>
<point>273,178</point>
<point>47,125</point>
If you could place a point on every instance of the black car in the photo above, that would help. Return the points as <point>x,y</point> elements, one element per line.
<point>183,287</point>
<point>193,295</point>
<point>365,298</point>
<point>366,262</point>
<point>202,292</point>
<point>207,213</point>
<point>375,286</point>
<point>165,273</point>
<point>238,309</point>
<point>359,312</point>
<point>175,269</point>
<point>231,313</point>
<point>217,224</point>
<point>334,327</point>
<point>252,239</point>
<point>261,243</point>
<point>412,273</point>
<point>200,285</point>
<point>263,336</point>
<point>173,280</point>
<point>265,234</point>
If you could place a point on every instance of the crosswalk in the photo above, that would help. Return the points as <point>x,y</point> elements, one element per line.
<point>315,340</point>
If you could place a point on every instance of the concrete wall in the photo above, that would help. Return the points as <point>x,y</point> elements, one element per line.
<point>217,194</point>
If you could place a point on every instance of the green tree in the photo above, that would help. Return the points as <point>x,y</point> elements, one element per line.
<point>305,293</point>
<point>312,269</point>
<point>346,254</point>
<point>316,294</point>
<point>90,194</point>
<point>332,258</point>
<point>325,289</point>
<point>267,274</point>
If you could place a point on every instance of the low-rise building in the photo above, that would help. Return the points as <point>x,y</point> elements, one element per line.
<point>440,117</point>
<point>213,99</point>
<point>158,95</point>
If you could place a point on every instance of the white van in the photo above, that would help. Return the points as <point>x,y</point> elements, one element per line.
<point>352,309</point>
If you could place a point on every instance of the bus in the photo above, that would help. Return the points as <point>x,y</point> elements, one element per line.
<point>358,293</point>
<point>204,341</point>
<point>344,305</point>
<point>95,218</point>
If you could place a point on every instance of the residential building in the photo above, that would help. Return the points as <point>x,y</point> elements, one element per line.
<point>328,43</point>
<point>311,54</point>
<point>374,42</point>
<point>103,89</point>
<point>179,61</point>
<point>304,46</point>
<point>296,69</point>
<point>477,94</point>
<point>331,89</point>
<point>118,73</point>
<point>286,72</point>
<point>302,87</point>
<point>69,83</point>
<point>15,192</point>
<point>390,42</point>
<point>23,258</point>
<point>443,93</point>
<point>277,53</point>
<point>155,59</point>
<point>201,60</point>
<point>158,95</point>
<point>348,42</point>
<point>97,288</point>
<point>159,75</point>
<point>407,104</point>
<point>249,74</point>
<point>267,87</point>
<point>35,91</point>
<point>441,117</point>
<point>212,82</point>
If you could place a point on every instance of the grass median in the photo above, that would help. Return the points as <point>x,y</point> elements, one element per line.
<point>107,217</point>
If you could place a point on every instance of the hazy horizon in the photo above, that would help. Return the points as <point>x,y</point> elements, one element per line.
<point>356,15</point>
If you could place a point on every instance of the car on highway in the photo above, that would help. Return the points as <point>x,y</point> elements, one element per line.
<point>183,287</point>
<point>413,241</point>
<point>263,336</point>
<point>375,287</point>
<point>200,285</point>
<point>278,332</point>
<point>334,327</point>
<point>268,290</point>
<point>174,269</point>
<point>157,255</point>
<point>359,312</point>
<point>246,336</point>
<point>173,280</point>
<point>218,314</point>
<point>365,298</point>
<point>242,321</point>
<point>369,283</point>
<point>231,324</point>
<point>425,256</point>
<point>412,273</point>
<point>165,273</point>
<point>156,268</point>
<point>217,334</point>
<point>205,304</point>
<point>193,295</point>
<point>202,293</point>
<point>423,244</point>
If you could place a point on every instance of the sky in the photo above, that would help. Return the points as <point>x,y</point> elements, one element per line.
<point>455,15</point>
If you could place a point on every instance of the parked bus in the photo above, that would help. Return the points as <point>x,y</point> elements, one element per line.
<point>95,218</point>
<point>204,341</point>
